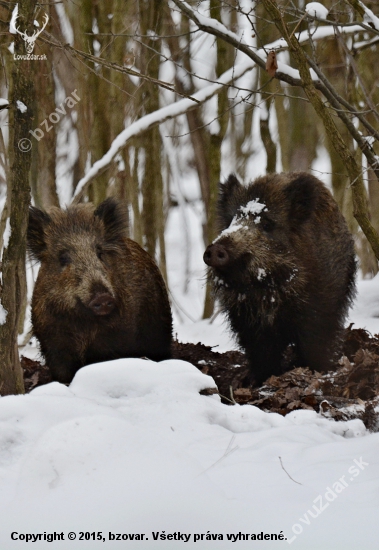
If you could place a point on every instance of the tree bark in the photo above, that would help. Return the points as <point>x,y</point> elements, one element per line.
<point>43,169</point>
<point>18,199</point>
<point>153,212</point>
<point>224,60</point>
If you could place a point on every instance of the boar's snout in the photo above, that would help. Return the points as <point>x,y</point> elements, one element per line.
<point>216,255</point>
<point>102,303</point>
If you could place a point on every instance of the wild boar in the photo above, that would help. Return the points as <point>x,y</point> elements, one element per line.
<point>283,269</point>
<point>98,294</point>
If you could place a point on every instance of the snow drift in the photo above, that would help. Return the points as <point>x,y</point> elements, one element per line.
<point>132,447</point>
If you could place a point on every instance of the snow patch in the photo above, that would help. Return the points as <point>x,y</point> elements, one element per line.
<point>253,207</point>
<point>3,314</point>
<point>370,17</point>
<point>7,233</point>
<point>262,273</point>
<point>12,28</point>
<point>315,9</point>
<point>234,226</point>
<point>21,106</point>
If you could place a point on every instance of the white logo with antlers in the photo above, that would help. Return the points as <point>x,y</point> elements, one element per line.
<point>30,40</point>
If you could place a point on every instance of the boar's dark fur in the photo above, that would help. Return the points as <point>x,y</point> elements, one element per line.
<point>283,269</point>
<point>98,295</point>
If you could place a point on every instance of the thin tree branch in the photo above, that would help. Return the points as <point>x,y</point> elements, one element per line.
<point>357,75</point>
<point>333,98</point>
<point>215,28</point>
<point>115,66</point>
<point>157,117</point>
<point>354,171</point>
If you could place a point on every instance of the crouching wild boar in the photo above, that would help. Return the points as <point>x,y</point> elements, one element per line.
<point>98,295</point>
<point>283,269</point>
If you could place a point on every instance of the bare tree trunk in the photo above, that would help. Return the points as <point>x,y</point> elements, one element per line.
<point>266,33</point>
<point>242,134</point>
<point>134,193</point>
<point>339,71</point>
<point>101,114</point>
<point>80,16</point>
<point>282,116</point>
<point>372,265</point>
<point>13,264</point>
<point>153,216</point>
<point>206,146</point>
<point>43,186</point>
<point>198,135</point>
<point>224,60</point>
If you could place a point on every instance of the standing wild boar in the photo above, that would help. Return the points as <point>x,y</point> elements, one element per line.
<point>98,295</point>
<point>283,268</point>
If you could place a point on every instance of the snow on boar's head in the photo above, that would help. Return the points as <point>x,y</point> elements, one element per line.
<point>283,269</point>
<point>98,295</point>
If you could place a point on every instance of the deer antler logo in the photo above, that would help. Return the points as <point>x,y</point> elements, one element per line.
<point>30,40</point>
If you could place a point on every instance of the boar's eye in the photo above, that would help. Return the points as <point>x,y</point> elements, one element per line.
<point>100,253</point>
<point>267,225</point>
<point>64,258</point>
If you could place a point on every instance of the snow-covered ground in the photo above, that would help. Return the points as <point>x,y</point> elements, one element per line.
<point>132,448</point>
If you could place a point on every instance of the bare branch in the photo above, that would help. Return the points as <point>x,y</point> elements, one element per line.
<point>357,75</point>
<point>354,171</point>
<point>217,29</point>
<point>157,117</point>
<point>115,66</point>
<point>285,73</point>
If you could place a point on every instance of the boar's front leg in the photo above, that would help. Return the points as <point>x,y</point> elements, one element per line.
<point>62,364</point>
<point>317,347</point>
<point>264,352</point>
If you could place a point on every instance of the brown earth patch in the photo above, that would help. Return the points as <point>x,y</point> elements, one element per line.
<point>350,390</point>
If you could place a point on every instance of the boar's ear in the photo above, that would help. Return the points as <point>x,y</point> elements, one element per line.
<point>228,200</point>
<point>114,217</point>
<point>301,193</point>
<point>36,234</point>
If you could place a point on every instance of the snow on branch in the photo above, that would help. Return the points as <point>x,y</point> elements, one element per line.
<point>367,14</point>
<point>158,117</point>
<point>183,106</point>
<point>285,72</point>
<point>317,10</point>
<point>370,16</point>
